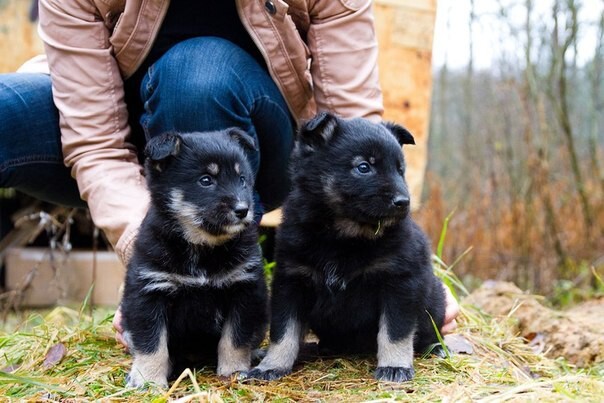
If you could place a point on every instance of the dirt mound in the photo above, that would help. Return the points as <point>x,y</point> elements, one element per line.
<point>576,334</point>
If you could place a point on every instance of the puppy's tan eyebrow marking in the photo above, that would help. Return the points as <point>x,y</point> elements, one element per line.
<point>237,168</point>
<point>372,160</point>
<point>213,168</point>
<point>357,160</point>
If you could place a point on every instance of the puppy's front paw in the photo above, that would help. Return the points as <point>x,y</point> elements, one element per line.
<point>439,351</point>
<point>136,379</point>
<point>266,374</point>
<point>394,374</point>
<point>258,354</point>
<point>227,371</point>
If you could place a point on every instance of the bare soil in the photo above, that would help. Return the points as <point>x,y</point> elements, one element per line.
<point>576,334</point>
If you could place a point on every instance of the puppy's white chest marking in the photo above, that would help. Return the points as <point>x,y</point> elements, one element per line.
<point>170,282</point>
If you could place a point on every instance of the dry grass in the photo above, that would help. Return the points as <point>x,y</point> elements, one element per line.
<point>511,239</point>
<point>502,368</point>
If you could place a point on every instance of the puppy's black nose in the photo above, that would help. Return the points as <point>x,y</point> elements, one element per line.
<point>241,210</point>
<point>400,201</point>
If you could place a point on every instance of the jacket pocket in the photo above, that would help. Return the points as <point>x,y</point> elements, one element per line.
<point>298,51</point>
<point>119,36</point>
<point>110,11</point>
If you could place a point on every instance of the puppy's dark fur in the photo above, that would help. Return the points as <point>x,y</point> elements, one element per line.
<point>195,288</point>
<point>351,264</point>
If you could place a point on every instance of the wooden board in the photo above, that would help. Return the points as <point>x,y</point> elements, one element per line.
<point>19,39</point>
<point>63,279</point>
<point>405,30</point>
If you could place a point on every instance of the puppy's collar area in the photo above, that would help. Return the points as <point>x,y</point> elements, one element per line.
<point>348,228</point>
<point>200,237</point>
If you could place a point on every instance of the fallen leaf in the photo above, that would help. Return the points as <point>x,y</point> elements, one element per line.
<point>55,355</point>
<point>537,342</point>
<point>11,368</point>
<point>458,344</point>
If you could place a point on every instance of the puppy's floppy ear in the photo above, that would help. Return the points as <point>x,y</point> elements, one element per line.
<point>159,148</point>
<point>163,146</point>
<point>318,131</point>
<point>402,135</point>
<point>244,139</point>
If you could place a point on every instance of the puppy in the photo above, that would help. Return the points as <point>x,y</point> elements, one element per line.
<point>351,264</point>
<point>195,287</point>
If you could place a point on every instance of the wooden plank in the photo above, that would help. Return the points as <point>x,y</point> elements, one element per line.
<point>405,33</point>
<point>19,40</point>
<point>425,5</point>
<point>38,280</point>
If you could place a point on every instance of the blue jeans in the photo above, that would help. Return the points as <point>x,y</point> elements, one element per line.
<point>200,84</point>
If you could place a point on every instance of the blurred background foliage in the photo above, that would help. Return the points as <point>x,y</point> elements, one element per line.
<point>516,143</point>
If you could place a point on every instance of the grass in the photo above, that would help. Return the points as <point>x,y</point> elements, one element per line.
<point>502,368</point>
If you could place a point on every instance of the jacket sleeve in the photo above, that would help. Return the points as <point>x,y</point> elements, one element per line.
<point>88,92</point>
<point>342,41</point>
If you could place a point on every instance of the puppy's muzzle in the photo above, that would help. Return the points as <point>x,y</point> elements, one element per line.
<point>401,202</point>
<point>241,209</point>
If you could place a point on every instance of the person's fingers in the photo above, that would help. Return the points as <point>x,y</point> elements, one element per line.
<point>449,327</point>
<point>451,312</point>
<point>120,339</point>
<point>117,325</point>
<point>117,320</point>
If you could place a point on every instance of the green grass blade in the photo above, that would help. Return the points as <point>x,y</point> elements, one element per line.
<point>12,378</point>
<point>443,235</point>
<point>439,337</point>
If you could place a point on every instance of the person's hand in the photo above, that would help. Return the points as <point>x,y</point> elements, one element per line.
<point>117,325</point>
<point>451,312</point>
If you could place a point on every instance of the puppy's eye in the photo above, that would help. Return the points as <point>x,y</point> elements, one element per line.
<point>206,180</point>
<point>242,180</point>
<point>363,168</point>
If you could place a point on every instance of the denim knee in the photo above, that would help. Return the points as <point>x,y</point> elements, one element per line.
<point>200,84</point>
<point>208,84</point>
<point>31,159</point>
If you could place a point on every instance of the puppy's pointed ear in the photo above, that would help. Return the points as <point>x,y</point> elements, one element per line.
<point>241,137</point>
<point>161,147</point>
<point>402,135</point>
<point>318,131</point>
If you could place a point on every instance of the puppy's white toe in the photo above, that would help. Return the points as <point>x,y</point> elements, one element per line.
<point>139,376</point>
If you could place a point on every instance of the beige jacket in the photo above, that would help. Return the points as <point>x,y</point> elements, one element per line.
<point>321,53</point>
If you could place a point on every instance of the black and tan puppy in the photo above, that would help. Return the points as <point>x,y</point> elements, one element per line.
<point>351,264</point>
<point>195,287</point>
